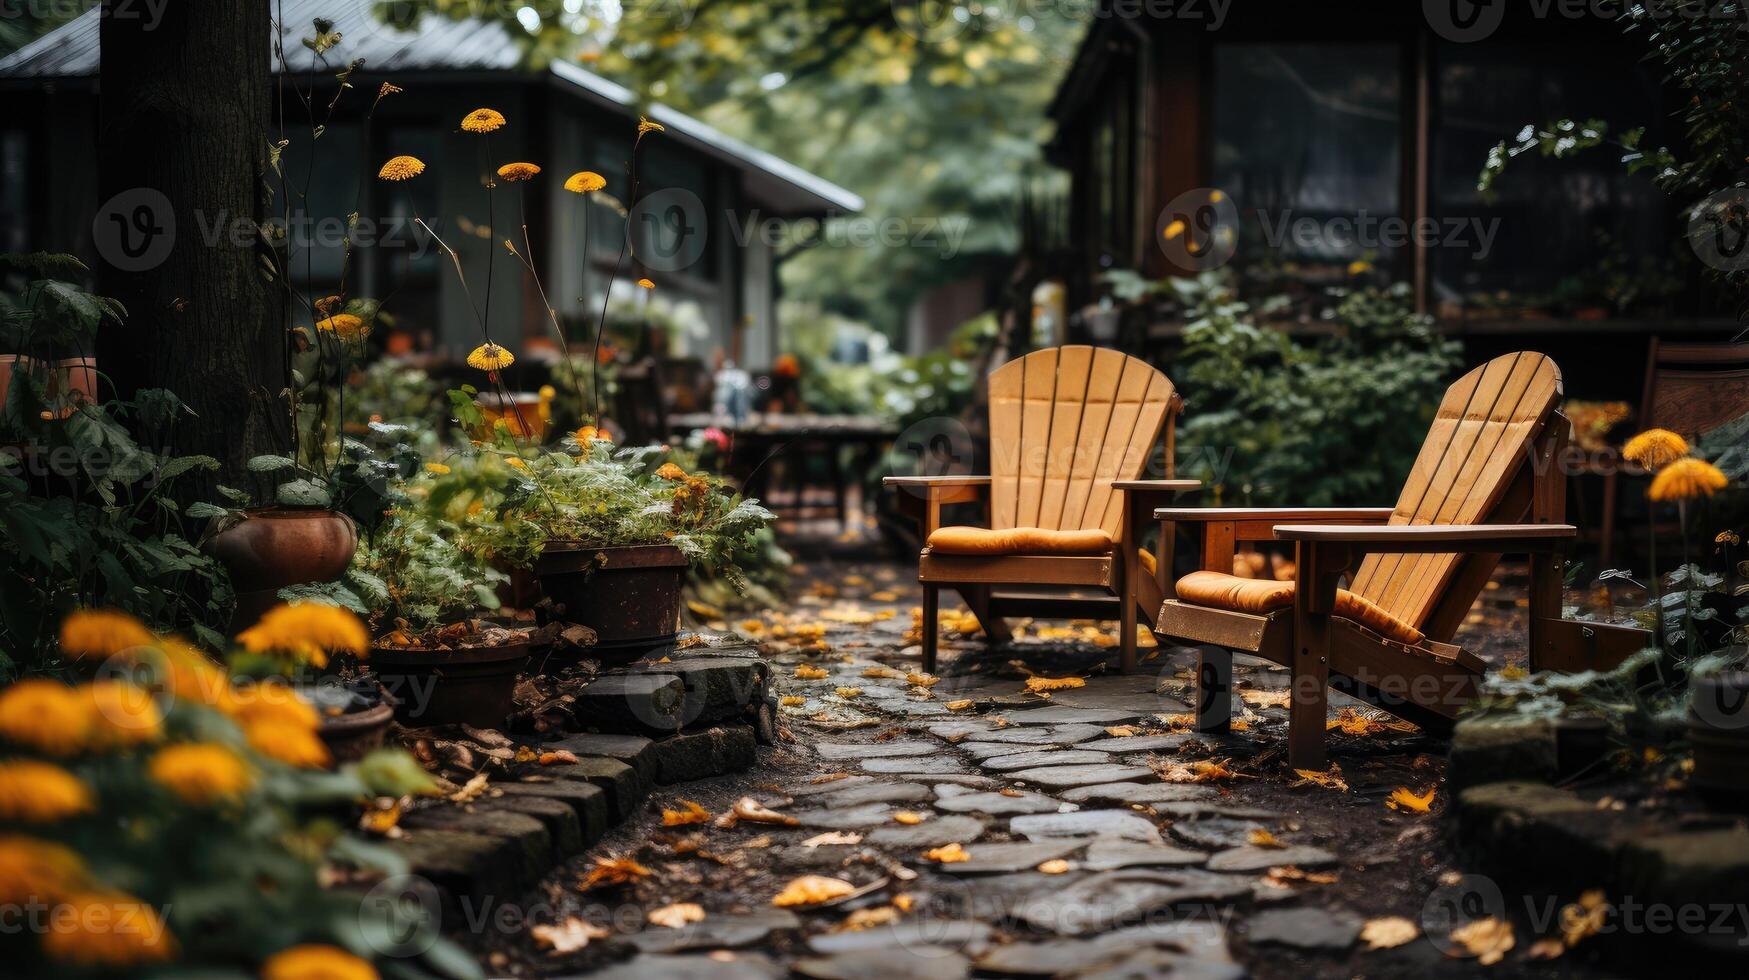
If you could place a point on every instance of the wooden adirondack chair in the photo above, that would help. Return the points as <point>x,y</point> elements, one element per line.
<point>1071,429</point>
<point>1487,481</point>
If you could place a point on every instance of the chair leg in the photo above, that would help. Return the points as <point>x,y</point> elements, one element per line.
<point>977,598</point>
<point>1308,707</point>
<point>931,628</point>
<point>1214,688</point>
<point>1128,570</point>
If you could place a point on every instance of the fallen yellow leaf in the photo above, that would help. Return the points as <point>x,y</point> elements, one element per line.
<point>812,890</point>
<point>923,680</point>
<point>1265,839</point>
<point>689,813</point>
<point>1329,779</point>
<point>1265,699</point>
<point>1403,798</point>
<point>1548,948</point>
<point>877,672</point>
<point>809,673</point>
<point>612,871</point>
<point>1040,684</point>
<point>748,809</point>
<point>1489,939</point>
<point>677,915</point>
<point>1122,731</point>
<point>1388,932</point>
<point>526,754</point>
<point>1201,771</point>
<point>950,854</point>
<point>704,610</point>
<point>960,705</point>
<point>1055,866</point>
<point>567,937</point>
<point>1584,918</point>
<point>849,692</point>
<point>792,701</point>
<point>833,837</point>
<point>909,817</point>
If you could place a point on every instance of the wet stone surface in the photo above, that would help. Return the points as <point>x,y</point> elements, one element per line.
<point>986,830</point>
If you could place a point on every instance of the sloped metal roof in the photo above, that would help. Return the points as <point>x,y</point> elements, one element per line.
<point>439,44</point>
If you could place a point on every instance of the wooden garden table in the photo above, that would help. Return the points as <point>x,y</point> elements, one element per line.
<point>764,437</point>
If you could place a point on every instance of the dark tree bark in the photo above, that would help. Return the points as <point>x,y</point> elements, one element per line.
<point>183,139</point>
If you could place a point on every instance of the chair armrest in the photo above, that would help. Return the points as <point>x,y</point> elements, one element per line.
<point>930,482</point>
<point>1435,538</point>
<point>1156,486</point>
<point>1279,515</point>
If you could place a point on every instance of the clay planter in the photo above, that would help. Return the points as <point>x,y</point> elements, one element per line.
<point>469,685</point>
<point>1718,729</point>
<point>629,595</point>
<point>356,734</point>
<point>272,547</point>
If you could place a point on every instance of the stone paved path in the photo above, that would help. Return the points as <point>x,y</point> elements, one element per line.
<point>983,829</point>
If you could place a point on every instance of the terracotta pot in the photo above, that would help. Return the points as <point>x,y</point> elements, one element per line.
<point>270,548</point>
<point>629,595</point>
<point>74,378</point>
<point>354,735</point>
<point>8,364</point>
<point>472,686</point>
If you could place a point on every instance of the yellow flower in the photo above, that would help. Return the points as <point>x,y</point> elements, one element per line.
<point>403,167</point>
<point>517,462</point>
<point>98,633</point>
<point>547,393</point>
<point>647,283</point>
<point>1687,479</point>
<point>585,181</point>
<point>44,715</point>
<point>518,171</point>
<point>439,468</point>
<point>1655,448</point>
<point>482,120</point>
<point>293,745</point>
<point>201,774</point>
<point>1359,267</point>
<point>40,792</point>
<point>316,962</point>
<point>107,929</point>
<point>271,701</point>
<point>671,471</point>
<point>343,325</point>
<point>309,631</point>
<point>190,675</point>
<point>490,357</point>
<point>34,870</point>
<point>122,714</point>
<point>646,126</point>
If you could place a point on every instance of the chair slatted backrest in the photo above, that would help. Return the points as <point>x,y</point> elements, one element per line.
<point>1064,423</point>
<point>1479,440</point>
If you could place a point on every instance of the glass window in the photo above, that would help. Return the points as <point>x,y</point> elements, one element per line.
<point>1309,132</point>
<point>1575,236</point>
<point>407,262</point>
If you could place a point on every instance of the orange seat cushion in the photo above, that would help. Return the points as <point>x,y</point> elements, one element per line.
<point>1018,541</point>
<point>1218,590</point>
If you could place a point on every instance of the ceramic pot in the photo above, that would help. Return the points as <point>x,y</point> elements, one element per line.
<point>269,548</point>
<point>629,594</point>
<point>471,685</point>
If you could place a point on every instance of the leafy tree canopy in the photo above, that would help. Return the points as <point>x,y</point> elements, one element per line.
<point>933,112</point>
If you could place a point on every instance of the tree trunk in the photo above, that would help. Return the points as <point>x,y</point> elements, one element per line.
<point>182,149</point>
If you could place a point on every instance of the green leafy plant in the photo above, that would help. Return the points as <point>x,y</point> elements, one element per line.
<point>1346,413</point>
<point>90,518</point>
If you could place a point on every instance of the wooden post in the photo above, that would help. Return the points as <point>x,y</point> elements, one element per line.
<point>1214,688</point>
<point>1548,505</point>
<point>1319,567</point>
<point>931,628</point>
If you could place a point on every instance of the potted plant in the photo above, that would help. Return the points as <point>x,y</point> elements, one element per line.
<point>427,600</point>
<point>48,328</point>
